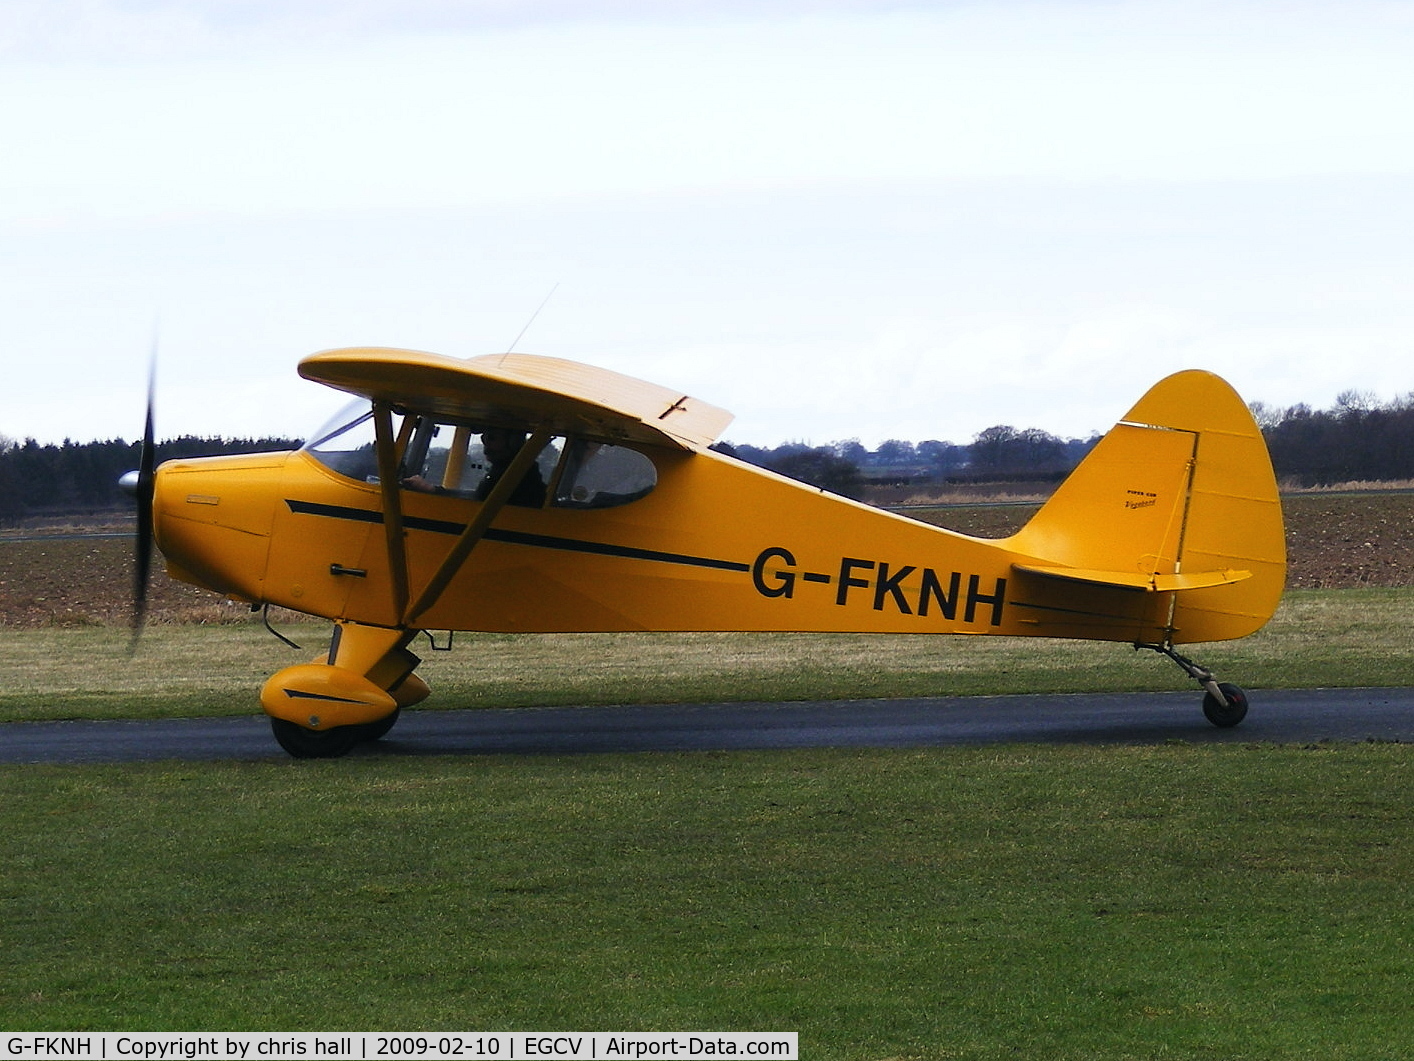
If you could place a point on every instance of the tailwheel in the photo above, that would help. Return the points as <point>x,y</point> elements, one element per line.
<point>1224,704</point>
<point>1229,714</point>
<point>305,743</point>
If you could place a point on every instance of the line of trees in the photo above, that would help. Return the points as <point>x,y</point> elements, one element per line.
<point>83,476</point>
<point>1358,438</point>
<point>998,453</point>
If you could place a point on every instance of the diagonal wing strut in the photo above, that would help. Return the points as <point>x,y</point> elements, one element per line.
<point>477,528</point>
<point>389,456</point>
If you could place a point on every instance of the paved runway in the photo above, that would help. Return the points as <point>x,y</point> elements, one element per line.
<point>1281,716</point>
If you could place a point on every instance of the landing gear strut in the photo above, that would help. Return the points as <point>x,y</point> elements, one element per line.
<point>1224,704</point>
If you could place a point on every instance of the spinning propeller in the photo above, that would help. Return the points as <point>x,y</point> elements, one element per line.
<point>140,485</point>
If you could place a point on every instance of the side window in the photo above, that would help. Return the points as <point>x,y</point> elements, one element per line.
<point>598,475</point>
<point>467,462</point>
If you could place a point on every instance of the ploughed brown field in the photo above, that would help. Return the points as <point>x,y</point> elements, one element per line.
<point>1334,541</point>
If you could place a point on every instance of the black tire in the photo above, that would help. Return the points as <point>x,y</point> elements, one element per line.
<point>315,744</point>
<point>1226,716</point>
<point>378,730</point>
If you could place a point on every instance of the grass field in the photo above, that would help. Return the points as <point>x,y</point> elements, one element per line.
<point>1320,638</point>
<point>1167,902</point>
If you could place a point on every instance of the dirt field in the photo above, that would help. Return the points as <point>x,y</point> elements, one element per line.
<point>1335,540</point>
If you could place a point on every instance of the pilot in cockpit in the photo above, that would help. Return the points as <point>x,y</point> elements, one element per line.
<point>500,446</point>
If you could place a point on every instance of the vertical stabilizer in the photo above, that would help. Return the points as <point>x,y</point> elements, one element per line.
<point>1179,500</point>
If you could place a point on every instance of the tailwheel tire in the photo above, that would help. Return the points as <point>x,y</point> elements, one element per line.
<point>315,744</point>
<point>1230,714</point>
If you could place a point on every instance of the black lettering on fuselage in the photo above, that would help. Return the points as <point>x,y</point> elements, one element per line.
<point>974,598</point>
<point>783,584</point>
<point>932,590</point>
<point>774,574</point>
<point>847,565</point>
<point>888,586</point>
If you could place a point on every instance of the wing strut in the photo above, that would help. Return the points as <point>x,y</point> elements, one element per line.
<point>388,458</point>
<point>477,528</point>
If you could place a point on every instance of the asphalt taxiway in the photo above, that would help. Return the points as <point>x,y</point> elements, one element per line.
<point>1277,716</point>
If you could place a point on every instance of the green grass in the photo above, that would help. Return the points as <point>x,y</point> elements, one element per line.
<point>1178,901</point>
<point>1214,901</point>
<point>1330,638</point>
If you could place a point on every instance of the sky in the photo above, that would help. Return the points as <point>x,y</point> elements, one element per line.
<point>844,219</point>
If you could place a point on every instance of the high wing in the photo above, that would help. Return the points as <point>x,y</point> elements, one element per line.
<point>521,390</point>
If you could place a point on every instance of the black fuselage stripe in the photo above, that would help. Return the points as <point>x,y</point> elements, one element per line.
<point>508,537</point>
<point>366,515</point>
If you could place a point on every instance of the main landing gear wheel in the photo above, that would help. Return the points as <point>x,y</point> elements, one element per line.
<point>316,744</point>
<point>378,730</point>
<point>1229,714</point>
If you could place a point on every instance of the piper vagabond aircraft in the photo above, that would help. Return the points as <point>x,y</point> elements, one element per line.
<point>529,494</point>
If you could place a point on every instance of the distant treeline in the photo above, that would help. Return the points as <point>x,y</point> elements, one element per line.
<point>847,467</point>
<point>1358,438</point>
<point>83,476</point>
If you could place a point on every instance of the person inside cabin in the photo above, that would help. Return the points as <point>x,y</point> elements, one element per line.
<point>499,446</point>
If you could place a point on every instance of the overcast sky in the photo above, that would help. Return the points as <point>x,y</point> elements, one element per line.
<point>836,219</point>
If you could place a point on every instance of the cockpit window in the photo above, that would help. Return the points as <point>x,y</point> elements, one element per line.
<point>468,461</point>
<point>465,460</point>
<point>346,443</point>
<point>598,475</point>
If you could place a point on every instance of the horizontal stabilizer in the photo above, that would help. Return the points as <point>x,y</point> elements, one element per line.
<point>1137,580</point>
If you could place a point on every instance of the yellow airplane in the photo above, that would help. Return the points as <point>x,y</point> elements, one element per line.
<point>517,493</point>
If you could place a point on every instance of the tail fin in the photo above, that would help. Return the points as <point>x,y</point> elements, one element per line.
<point>1178,502</point>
